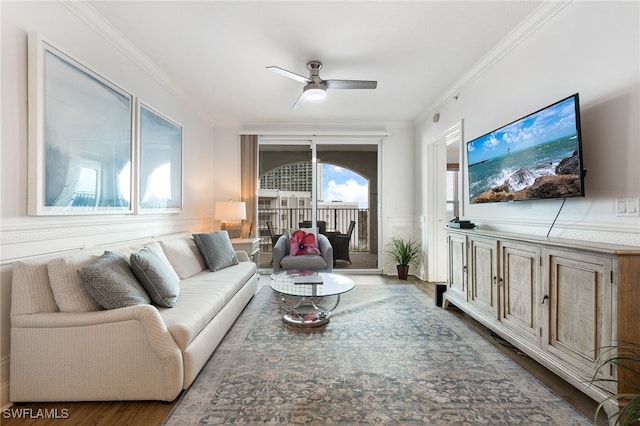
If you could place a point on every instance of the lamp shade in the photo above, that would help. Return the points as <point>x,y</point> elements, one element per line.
<point>230,210</point>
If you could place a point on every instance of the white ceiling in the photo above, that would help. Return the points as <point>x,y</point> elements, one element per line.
<point>216,52</point>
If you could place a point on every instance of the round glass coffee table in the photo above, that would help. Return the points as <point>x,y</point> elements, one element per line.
<point>304,303</point>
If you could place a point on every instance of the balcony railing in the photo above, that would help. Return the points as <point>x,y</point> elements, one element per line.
<point>337,220</point>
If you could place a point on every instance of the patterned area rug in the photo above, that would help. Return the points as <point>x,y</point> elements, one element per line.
<point>388,356</point>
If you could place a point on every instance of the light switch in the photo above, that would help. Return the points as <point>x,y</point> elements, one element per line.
<point>627,207</point>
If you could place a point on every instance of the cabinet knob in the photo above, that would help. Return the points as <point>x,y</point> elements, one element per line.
<point>546,296</point>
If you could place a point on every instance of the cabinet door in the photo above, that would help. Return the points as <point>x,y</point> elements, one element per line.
<point>580,302</point>
<point>483,277</point>
<point>520,296</point>
<point>457,264</point>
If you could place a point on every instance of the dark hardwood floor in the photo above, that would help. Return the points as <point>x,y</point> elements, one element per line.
<point>151,413</point>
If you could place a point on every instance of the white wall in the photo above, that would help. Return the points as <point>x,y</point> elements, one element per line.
<point>588,47</point>
<point>22,235</point>
<point>397,194</point>
<point>226,164</point>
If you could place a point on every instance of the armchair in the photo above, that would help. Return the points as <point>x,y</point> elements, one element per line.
<point>320,263</point>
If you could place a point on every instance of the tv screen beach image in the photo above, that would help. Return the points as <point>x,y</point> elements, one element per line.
<point>537,156</point>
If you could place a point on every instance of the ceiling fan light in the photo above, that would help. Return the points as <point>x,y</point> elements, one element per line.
<point>314,94</point>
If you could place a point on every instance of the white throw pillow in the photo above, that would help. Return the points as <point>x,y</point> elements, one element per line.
<point>184,256</point>
<point>68,288</point>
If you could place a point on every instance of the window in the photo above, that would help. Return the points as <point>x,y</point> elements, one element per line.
<point>160,162</point>
<point>453,202</point>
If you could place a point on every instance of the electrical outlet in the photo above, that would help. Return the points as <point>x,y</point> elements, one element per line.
<point>627,207</point>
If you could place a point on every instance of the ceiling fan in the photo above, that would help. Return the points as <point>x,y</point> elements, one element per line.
<point>316,88</point>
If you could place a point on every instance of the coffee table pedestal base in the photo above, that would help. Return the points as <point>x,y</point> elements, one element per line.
<point>306,312</point>
<point>306,316</point>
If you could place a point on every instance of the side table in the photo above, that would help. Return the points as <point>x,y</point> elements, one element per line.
<point>249,245</point>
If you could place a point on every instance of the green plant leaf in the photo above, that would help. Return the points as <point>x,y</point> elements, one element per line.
<point>629,403</point>
<point>404,251</point>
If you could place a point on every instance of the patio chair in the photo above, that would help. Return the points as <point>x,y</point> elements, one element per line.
<point>322,225</point>
<point>272,234</point>
<point>274,238</point>
<point>341,243</point>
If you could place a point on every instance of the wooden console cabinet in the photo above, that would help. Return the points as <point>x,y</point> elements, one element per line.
<point>559,301</point>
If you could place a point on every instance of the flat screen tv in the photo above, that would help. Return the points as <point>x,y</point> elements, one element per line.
<point>536,157</point>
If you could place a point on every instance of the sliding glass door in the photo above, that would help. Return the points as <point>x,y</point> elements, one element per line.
<point>286,188</point>
<point>331,185</point>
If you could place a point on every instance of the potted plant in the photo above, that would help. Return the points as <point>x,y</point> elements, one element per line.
<point>404,252</point>
<point>626,357</point>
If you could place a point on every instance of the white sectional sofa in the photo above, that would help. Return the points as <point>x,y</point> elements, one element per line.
<point>64,347</point>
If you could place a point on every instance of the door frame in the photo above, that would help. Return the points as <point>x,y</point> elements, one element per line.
<point>436,212</point>
<point>350,140</point>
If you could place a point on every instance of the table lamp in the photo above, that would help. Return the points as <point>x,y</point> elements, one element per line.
<point>231,214</point>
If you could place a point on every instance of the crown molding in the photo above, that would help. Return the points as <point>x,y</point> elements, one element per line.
<point>322,128</point>
<point>529,26</point>
<point>98,23</point>
<point>288,134</point>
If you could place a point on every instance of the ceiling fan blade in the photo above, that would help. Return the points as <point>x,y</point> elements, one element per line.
<point>299,102</point>
<point>289,74</point>
<point>350,84</point>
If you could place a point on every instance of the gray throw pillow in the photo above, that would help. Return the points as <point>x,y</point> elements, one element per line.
<point>155,275</point>
<point>216,249</point>
<point>111,283</point>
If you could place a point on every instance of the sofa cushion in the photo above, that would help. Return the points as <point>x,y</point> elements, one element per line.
<point>68,288</point>
<point>156,247</point>
<point>303,262</point>
<point>184,256</point>
<point>156,276</point>
<point>201,298</point>
<point>111,282</point>
<point>30,289</point>
<point>216,249</point>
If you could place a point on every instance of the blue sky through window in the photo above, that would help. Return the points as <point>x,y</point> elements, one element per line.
<point>550,123</point>
<point>340,184</point>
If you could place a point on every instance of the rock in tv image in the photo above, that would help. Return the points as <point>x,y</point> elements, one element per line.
<point>537,156</point>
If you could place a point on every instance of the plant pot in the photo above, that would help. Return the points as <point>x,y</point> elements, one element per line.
<point>403,271</point>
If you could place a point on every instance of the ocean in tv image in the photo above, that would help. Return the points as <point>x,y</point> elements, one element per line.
<point>534,157</point>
